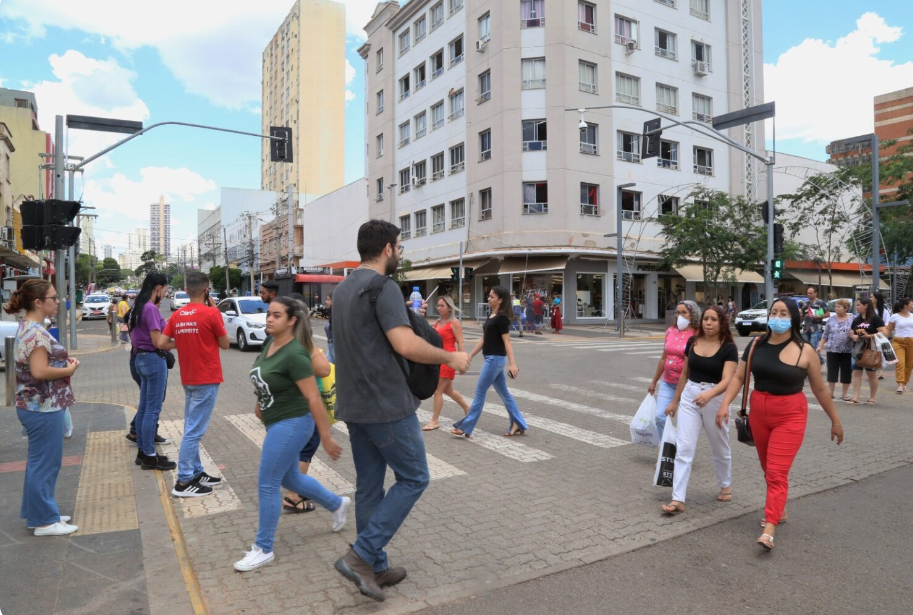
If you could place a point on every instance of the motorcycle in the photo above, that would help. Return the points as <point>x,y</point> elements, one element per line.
<point>320,311</point>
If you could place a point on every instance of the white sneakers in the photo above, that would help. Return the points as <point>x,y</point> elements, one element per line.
<point>56,529</point>
<point>339,516</point>
<point>253,559</point>
<point>63,519</point>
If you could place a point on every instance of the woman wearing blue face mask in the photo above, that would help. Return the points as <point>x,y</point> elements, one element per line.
<point>780,361</point>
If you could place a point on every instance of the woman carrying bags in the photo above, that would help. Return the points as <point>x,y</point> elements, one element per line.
<point>901,326</point>
<point>836,335</point>
<point>866,324</point>
<point>711,358</point>
<point>671,364</point>
<point>43,395</point>
<point>498,352</point>
<point>451,333</point>
<point>779,361</point>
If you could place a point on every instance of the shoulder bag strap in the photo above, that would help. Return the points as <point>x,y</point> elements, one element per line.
<point>747,380</point>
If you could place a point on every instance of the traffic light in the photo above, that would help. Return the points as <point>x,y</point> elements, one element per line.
<point>778,239</point>
<point>455,274</point>
<point>280,151</point>
<point>777,268</point>
<point>46,224</point>
<point>650,141</point>
<point>467,273</point>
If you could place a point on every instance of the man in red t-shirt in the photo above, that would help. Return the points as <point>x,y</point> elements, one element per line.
<point>198,333</point>
<point>538,307</point>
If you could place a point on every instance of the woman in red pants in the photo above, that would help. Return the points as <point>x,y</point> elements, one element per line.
<point>778,410</point>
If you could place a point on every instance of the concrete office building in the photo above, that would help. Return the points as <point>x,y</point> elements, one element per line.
<point>209,238</point>
<point>304,88</point>
<point>160,226</point>
<point>468,138</point>
<point>109,251</point>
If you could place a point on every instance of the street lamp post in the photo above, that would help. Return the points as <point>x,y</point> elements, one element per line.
<point>619,260</point>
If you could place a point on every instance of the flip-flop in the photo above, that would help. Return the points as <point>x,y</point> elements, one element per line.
<point>675,509</point>
<point>852,402</point>
<point>426,428</point>
<point>870,402</point>
<point>724,497</point>
<point>459,433</point>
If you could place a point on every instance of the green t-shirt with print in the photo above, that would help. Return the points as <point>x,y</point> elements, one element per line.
<point>275,379</point>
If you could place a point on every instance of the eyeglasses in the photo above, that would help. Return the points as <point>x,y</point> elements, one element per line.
<point>399,248</point>
<point>54,298</point>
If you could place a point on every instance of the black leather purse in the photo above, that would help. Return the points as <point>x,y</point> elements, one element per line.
<point>743,429</point>
<point>168,356</point>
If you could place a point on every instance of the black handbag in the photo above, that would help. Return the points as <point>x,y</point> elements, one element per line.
<point>168,356</point>
<point>743,429</point>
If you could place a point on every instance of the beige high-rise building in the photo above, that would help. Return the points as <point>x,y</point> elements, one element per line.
<point>304,88</point>
<point>160,227</point>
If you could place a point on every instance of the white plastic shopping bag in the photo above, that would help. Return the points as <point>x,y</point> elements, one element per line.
<point>665,461</point>
<point>883,345</point>
<point>643,427</point>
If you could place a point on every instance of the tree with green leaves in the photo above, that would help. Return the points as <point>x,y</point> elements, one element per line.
<point>177,280</point>
<point>405,266</point>
<point>109,273</point>
<point>84,264</point>
<point>724,233</point>
<point>217,278</point>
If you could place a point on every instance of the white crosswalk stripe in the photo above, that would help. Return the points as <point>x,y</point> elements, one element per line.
<point>250,426</point>
<point>575,407</point>
<point>618,385</point>
<point>498,444</point>
<point>223,497</point>
<point>437,468</point>
<point>556,427</point>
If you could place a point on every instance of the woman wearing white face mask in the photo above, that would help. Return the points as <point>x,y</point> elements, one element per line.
<point>669,368</point>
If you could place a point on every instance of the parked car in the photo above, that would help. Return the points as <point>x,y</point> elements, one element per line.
<point>752,319</point>
<point>245,320</point>
<point>179,300</point>
<point>95,306</point>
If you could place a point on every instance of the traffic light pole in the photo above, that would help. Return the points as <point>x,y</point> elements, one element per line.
<point>72,272</point>
<point>460,300</point>
<point>768,267</point>
<point>59,275</point>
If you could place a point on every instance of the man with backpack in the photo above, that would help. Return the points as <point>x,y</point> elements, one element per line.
<point>373,339</point>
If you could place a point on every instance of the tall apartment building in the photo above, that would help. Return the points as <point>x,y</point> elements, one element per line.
<point>304,88</point>
<point>160,226</point>
<point>137,243</point>
<point>472,136</point>
<point>109,251</point>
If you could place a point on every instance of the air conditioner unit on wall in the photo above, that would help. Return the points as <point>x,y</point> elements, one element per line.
<point>701,69</point>
<point>481,45</point>
<point>7,233</point>
<point>630,46</point>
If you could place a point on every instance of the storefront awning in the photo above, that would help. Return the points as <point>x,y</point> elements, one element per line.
<point>316,278</point>
<point>428,273</point>
<point>695,273</point>
<point>14,259</point>
<point>521,264</point>
<point>844,279</point>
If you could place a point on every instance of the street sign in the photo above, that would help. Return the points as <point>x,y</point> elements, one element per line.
<point>745,116</point>
<point>103,124</point>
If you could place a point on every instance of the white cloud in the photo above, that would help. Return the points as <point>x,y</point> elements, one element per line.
<point>350,72</point>
<point>350,95</point>
<point>825,91</point>
<point>213,47</point>
<point>120,199</point>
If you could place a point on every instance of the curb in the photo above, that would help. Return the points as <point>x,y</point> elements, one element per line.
<point>81,353</point>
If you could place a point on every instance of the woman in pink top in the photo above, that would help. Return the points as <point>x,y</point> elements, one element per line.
<point>671,364</point>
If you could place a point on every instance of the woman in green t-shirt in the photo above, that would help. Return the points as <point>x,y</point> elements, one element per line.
<point>286,392</point>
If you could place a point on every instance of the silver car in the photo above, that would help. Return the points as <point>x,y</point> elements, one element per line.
<point>245,320</point>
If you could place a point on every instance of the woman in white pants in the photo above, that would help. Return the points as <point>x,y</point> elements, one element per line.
<point>711,359</point>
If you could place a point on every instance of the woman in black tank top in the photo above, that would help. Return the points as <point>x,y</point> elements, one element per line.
<point>780,362</point>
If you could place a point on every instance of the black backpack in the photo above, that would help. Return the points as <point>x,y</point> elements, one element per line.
<point>422,378</point>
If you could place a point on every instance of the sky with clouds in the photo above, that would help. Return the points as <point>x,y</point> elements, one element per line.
<point>200,61</point>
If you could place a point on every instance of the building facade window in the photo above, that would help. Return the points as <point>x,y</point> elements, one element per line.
<point>535,197</point>
<point>420,27</point>
<point>532,13</point>
<point>456,51</point>
<point>418,173</point>
<point>437,15</point>
<point>404,42</point>
<point>380,145</point>
<point>703,160</point>
<point>438,219</point>
<point>379,59</point>
<point>627,89</point>
<point>666,44</point>
<point>457,213</point>
<point>666,99</point>
<point>533,70</point>
<point>437,64</point>
<point>404,88</point>
<point>420,125</point>
<point>702,108</point>
<point>701,9</point>
<point>484,86</point>
<point>485,27</point>
<point>631,205</point>
<point>586,17</point>
<point>626,31</point>
<point>421,223</point>
<point>589,143</point>
<point>380,101</point>
<point>437,166</point>
<point>669,3</point>
<point>455,5</point>
<point>405,227</point>
<point>590,292</point>
<point>535,135</point>
<point>380,189</point>
<point>485,204</point>
<point>419,73</point>
<point>589,199</point>
<point>485,145</point>
<point>668,155</point>
<point>628,147</point>
<point>437,115</point>
<point>668,205</point>
<point>700,57</point>
<point>404,134</point>
<point>457,158</point>
<point>457,105</point>
<point>405,180</point>
<point>587,79</point>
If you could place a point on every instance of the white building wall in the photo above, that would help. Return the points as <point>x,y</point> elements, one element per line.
<point>331,225</point>
<point>234,203</point>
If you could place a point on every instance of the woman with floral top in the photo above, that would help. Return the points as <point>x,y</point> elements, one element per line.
<point>43,394</point>
<point>836,335</point>
<point>671,364</point>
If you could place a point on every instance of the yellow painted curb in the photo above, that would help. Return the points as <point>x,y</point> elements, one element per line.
<point>79,353</point>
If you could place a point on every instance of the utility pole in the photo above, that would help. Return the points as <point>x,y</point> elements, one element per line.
<point>225,249</point>
<point>290,232</point>
<point>59,276</point>
<point>250,248</point>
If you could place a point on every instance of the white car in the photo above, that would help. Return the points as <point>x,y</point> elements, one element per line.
<point>752,319</point>
<point>245,320</point>
<point>179,300</point>
<point>95,306</point>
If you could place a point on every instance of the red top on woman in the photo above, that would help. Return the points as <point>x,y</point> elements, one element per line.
<point>445,330</point>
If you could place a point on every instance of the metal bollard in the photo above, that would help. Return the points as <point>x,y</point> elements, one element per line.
<point>114,330</point>
<point>10,365</point>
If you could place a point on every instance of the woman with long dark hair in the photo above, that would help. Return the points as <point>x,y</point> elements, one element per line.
<point>781,360</point>
<point>710,360</point>
<point>881,309</point>
<point>43,394</point>
<point>496,348</point>
<point>146,325</point>
<point>867,323</point>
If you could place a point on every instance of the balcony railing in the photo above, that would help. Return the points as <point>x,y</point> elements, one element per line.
<point>627,214</point>
<point>456,60</point>
<point>535,146</point>
<point>485,214</point>
<point>631,99</point>
<point>702,117</point>
<point>458,222</point>
<point>670,109</point>
<point>485,96</point>
<point>404,142</point>
<point>438,227</point>
<point>437,124</point>
<point>535,208</point>
<point>666,53</point>
<point>437,73</point>
<point>437,175</point>
<point>538,22</point>
<point>701,169</point>
<point>586,27</point>
<point>404,188</point>
<point>589,88</point>
<point>627,156</point>
<point>589,210</point>
<point>419,85</point>
<point>532,84</point>
<point>404,95</point>
<point>421,231</point>
<point>456,168</point>
<point>456,114</point>
<point>705,15</point>
<point>419,133</point>
<point>485,155</point>
<point>667,163</point>
<point>588,148</point>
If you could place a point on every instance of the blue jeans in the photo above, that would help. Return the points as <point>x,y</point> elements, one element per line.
<point>814,339</point>
<point>153,374</point>
<point>279,466</point>
<point>492,374</point>
<point>45,434</point>
<point>135,375</point>
<point>665,393</point>
<point>200,400</point>
<point>331,357</point>
<point>375,446</point>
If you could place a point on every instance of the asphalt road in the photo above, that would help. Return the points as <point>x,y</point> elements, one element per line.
<point>843,551</point>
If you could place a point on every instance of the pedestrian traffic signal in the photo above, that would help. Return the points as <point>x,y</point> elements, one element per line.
<point>652,132</point>
<point>778,239</point>
<point>46,224</point>
<point>467,272</point>
<point>280,150</point>
<point>455,274</point>
<point>777,268</point>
